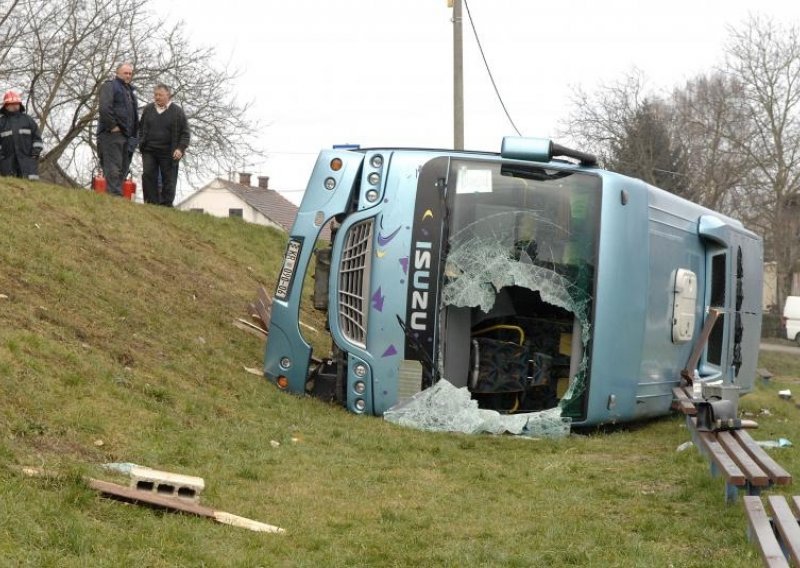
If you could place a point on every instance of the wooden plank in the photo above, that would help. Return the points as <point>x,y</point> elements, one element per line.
<point>750,468</point>
<point>682,402</point>
<point>265,296</point>
<point>264,313</point>
<point>729,469</point>
<point>149,498</point>
<point>700,344</point>
<point>761,531</point>
<point>776,473</point>
<point>262,307</point>
<point>786,525</point>
<point>252,329</point>
<point>180,505</point>
<point>242,522</point>
<point>265,299</point>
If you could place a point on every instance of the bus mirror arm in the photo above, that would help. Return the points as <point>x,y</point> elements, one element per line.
<point>584,158</point>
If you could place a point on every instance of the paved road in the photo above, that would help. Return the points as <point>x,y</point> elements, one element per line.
<point>779,347</point>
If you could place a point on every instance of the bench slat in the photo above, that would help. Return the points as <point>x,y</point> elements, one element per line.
<point>682,402</point>
<point>786,525</point>
<point>740,456</point>
<point>776,473</point>
<point>729,468</point>
<point>761,531</point>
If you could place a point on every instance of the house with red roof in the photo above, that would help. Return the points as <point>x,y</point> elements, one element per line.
<point>255,204</point>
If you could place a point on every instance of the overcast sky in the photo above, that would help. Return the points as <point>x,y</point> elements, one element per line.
<point>380,72</point>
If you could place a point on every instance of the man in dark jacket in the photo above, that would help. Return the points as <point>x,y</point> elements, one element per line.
<point>117,127</point>
<point>164,137</point>
<point>20,142</point>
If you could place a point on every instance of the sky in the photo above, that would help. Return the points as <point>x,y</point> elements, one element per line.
<point>380,72</point>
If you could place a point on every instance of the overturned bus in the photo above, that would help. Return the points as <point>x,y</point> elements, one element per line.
<point>531,277</point>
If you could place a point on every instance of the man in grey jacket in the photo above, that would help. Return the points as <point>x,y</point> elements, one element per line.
<point>117,128</point>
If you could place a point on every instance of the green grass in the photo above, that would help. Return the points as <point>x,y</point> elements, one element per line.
<point>117,345</point>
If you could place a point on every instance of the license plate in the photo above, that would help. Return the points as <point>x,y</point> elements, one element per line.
<point>287,271</point>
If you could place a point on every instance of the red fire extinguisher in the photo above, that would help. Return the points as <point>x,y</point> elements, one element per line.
<point>128,188</point>
<point>99,182</point>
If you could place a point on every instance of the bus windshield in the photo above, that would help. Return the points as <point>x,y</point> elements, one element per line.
<point>521,255</point>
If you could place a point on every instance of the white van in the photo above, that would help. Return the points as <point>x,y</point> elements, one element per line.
<point>791,318</point>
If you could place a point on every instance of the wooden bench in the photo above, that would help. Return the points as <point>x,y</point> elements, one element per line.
<point>777,538</point>
<point>733,454</point>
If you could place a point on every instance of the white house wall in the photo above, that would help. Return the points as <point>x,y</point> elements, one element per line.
<point>218,202</point>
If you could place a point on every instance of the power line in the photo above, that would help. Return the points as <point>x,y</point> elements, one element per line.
<point>489,71</point>
<point>270,153</point>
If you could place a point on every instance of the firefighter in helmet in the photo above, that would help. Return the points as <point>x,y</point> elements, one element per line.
<point>20,141</point>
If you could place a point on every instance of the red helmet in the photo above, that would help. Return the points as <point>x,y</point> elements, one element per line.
<point>11,97</point>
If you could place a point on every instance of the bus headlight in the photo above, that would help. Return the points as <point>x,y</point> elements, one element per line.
<point>359,387</point>
<point>286,363</point>
<point>360,405</point>
<point>374,178</point>
<point>372,196</point>
<point>376,161</point>
<point>330,183</point>
<point>360,370</point>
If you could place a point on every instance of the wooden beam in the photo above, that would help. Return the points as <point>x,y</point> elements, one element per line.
<point>691,364</point>
<point>745,462</point>
<point>727,466</point>
<point>173,504</point>
<point>682,402</point>
<point>786,525</point>
<point>150,498</point>
<point>761,532</point>
<point>776,473</point>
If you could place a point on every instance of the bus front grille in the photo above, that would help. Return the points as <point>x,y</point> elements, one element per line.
<point>354,272</point>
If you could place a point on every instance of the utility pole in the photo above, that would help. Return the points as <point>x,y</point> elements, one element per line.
<point>458,77</point>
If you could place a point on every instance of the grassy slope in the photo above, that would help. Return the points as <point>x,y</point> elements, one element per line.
<point>116,344</point>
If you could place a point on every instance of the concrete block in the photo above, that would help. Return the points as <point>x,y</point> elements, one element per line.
<point>186,487</point>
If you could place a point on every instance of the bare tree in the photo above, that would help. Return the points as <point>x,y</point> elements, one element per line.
<point>73,47</point>
<point>764,57</point>
<point>630,131</point>
<point>737,134</point>
<point>12,30</point>
<point>707,116</point>
<point>599,120</point>
<point>648,151</point>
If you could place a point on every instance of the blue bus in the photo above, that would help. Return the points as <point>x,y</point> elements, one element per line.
<point>532,277</point>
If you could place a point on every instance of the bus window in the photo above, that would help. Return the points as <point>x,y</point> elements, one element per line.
<point>717,301</point>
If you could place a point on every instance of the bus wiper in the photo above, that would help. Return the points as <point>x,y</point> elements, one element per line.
<point>425,359</point>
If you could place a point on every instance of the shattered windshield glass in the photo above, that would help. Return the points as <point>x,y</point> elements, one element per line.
<point>521,256</point>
